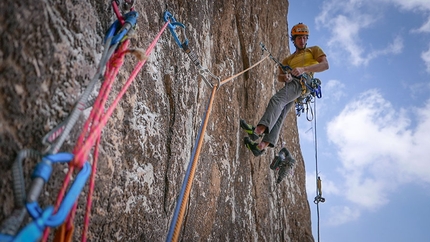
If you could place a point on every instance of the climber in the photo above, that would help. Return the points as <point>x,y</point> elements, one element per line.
<point>305,60</point>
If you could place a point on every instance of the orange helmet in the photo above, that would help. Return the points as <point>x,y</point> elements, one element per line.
<point>299,29</point>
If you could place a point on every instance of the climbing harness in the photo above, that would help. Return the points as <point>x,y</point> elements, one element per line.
<point>62,214</point>
<point>178,216</point>
<point>203,71</point>
<point>311,88</point>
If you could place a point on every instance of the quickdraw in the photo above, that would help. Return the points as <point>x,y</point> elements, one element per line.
<point>203,71</point>
<point>311,87</point>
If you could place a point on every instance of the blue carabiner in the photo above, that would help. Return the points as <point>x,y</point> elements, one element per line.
<point>112,30</point>
<point>44,168</point>
<point>6,238</point>
<point>66,205</point>
<point>34,231</point>
<point>71,196</point>
<point>130,22</point>
<point>318,92</point>
<point>172,24</point>
<point>47,218</point>
<point>117,32</point>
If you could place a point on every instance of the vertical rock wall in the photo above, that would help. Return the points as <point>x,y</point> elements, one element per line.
<point>49,51</point>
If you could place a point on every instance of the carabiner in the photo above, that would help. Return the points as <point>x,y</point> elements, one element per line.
<point>168,17</point>
<point>47,218</point>
<point>71,197</point>
<point>34,230</point>
<point>42,173</point>
<point>113,28</point>
<point>118,34</point>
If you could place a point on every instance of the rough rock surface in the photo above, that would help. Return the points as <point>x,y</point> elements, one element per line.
<point>49,50</point>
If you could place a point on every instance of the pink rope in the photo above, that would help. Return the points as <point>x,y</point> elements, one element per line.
<point>90,192</point>
<point>117,12</point>
<point>90,136</point>
<point>81,154</point>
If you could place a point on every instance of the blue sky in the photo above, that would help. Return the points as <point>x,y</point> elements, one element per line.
<point>373,122</point>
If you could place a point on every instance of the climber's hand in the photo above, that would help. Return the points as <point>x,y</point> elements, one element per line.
<point>298,71</point>
<point>285,77</point>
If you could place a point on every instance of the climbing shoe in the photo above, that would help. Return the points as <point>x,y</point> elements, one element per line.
<point>249,129</point>
<point>283,153</point>
<point>252,146</point>
<point>284,163</point>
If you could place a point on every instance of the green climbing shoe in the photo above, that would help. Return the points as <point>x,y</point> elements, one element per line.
<point>249,129</point>
<point>252,146</point>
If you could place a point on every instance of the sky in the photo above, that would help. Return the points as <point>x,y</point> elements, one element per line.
<point>373,121</point>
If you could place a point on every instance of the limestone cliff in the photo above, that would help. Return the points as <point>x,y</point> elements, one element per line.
<point>49,51</point>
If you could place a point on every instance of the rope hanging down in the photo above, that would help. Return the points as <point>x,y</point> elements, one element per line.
<point>178,216</point>
<point>318,197</point>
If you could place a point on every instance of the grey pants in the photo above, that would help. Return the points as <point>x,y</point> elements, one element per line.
<point>277,109</point>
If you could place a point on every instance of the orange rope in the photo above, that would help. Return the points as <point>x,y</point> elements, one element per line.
<point>182,203</point>
<point>193,167</point>
<point>240,73</point>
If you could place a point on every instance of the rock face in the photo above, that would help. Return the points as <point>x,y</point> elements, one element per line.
<point>49,51</point>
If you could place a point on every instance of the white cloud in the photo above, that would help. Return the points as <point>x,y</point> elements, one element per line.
<point>341,215</point>
<point>346,20</point>
<point>425,28</point>
<point>379,149</point>
<point>394,48</point>
<point>426,58</point>
<point>328,187</point>
<point>414,5</point>
<point>410,4</point>
<point>418,89</point>
<point>334,89</point>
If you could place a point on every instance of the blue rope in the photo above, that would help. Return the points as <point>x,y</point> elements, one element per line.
<point>186,178</point>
